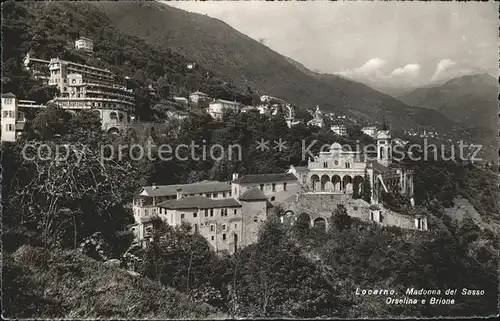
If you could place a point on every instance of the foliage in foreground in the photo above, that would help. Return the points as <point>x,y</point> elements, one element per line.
<point>367,256</point>
<point>65,284</point>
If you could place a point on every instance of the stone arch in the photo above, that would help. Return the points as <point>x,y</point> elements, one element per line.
<point>303,220</point>
<point>113,131</point>
<point>287,217</point>
<point>347,184</point>
<point>325,182</point>
<point>357,185</point>
<point>320,223</point>
<point>336,183</point>
<point>314,182</point>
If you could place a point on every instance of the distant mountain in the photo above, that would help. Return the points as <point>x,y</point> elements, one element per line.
<point>246,62</point>
<point>471,100</point>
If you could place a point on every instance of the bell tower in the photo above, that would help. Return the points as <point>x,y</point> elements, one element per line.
<point>384,146</point>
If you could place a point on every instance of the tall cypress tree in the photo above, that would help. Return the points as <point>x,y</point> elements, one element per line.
<point>367,189</point>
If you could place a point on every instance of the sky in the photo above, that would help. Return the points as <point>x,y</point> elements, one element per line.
<point>391,43</point>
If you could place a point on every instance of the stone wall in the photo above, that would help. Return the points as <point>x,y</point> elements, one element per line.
<point>323,204</point>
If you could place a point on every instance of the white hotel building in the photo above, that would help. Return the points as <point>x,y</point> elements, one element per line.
<point>87,87</point>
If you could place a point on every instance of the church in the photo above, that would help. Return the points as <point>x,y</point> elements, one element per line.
<point>338,171</point>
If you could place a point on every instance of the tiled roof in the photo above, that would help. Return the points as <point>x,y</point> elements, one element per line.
<point>226,102</point>
<point>196,188</point>
<point>225,202</point>
<point>379,167</point>
<point>266,178</point>
<point>199,202</point>
<point>199,93</point>
<point>253,194</point>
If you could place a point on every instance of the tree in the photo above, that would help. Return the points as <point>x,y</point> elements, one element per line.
<point>51,122</point>
<point>367,188</point>
<point>340,219</point>
<point>263,285</point>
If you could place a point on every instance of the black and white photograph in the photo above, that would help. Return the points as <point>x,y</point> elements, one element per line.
<point>250,160</point>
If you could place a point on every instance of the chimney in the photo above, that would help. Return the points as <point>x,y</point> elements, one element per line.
<point>235,176</point>
<point>153,186</point>
<point>179,193</point>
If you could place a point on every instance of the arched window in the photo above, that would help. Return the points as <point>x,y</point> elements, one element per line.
<point>113,115</point>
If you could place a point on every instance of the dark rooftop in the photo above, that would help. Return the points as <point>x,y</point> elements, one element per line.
<point>253,194</point>
<point>265,178</point>
<point>199,202</point>
<point>196,188</point>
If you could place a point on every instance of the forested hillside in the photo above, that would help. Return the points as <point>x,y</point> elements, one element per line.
<point>49,29</point>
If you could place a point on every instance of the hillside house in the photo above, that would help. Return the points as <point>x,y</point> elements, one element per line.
<point>217,108</point>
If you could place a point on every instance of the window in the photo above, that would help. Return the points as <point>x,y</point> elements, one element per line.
<point>273,198</point>
<point>8,100</point>
<point>212,227</point>
<point>224,237</point>
<point>182,216</point>
<point>274,187</point>
<point>195,214</point>
<point>223,227</point>
<point>73,81</point>
<point>235,225</point>
<point>325,164</point>
<point>5,114</point>
<point>212,238</point>
<point>235,212</point>
<point>214,195</point>
<point>255,218</point>
<point>211,212</point>
<point>206,212</point>
<point>284,186</point>
<point>11,113</point>
<point>221,212</point>
<point>336,162</point>
<point>225,212</point>
<point>261,187</point>
<point>223,194</point>
<point>208,195</point>
<point>347,165</point>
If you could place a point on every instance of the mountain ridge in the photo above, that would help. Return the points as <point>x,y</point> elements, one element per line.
<point>248,63</point>
<point>469,99</point>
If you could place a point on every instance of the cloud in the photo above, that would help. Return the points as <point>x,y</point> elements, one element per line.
<point>409,71</point>
<point>443,66</point>
<point>447,69</point>
<point>369,68</point>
